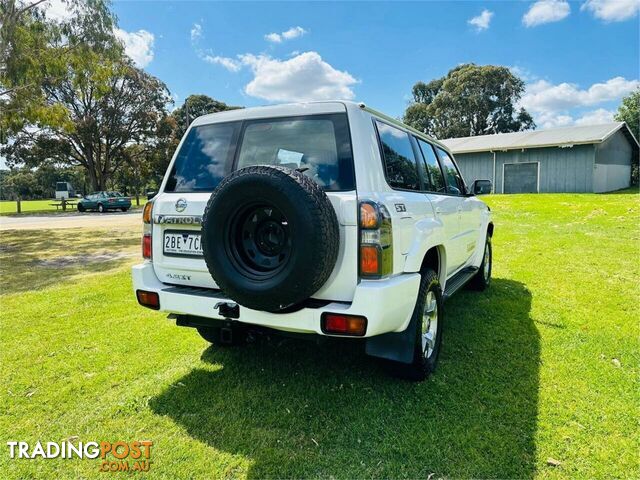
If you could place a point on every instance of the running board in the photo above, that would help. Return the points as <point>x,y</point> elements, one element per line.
<point>459,280</point>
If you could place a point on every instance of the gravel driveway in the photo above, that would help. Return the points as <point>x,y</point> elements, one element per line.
<point>71,220</point>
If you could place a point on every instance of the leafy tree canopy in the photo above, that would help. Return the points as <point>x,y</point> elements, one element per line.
<point>101,102</point>
<point>469,100</point>
<point>196,105</point>
<point>629,112</point>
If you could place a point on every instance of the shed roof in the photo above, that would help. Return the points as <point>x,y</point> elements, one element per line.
<point>554,137</point>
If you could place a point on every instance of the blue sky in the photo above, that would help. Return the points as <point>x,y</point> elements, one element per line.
<point>578,58</point>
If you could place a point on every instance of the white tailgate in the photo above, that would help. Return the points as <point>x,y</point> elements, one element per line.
<point>192,271</point>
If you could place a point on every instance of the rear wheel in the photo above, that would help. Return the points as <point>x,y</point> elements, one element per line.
<point>101,208</point>
<point>224,336</point>
<point>427,319</point>
<point>124,209</point>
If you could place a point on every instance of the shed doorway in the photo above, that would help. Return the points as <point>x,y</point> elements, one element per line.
<point>520,177</point>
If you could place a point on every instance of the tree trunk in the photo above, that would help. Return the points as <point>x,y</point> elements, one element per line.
<point>18,206</point>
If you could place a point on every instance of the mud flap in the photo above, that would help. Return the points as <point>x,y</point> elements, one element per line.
<point>396,346</point>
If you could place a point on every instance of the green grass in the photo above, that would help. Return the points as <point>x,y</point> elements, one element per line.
<point>542,365</point>
<point>9,207</point>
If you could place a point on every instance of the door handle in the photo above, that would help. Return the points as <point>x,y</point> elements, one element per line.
<point>459,208</point>
<point>438,210</point>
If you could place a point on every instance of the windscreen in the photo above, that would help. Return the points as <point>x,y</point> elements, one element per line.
<point>317,145</point>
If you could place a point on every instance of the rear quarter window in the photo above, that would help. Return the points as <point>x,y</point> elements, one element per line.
<point>398,156</point>
<point>204,158</point>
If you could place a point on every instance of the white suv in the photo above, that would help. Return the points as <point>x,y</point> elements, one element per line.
<point>317,218</point>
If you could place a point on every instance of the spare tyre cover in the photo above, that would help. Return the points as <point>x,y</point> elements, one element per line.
<point>270,237</point>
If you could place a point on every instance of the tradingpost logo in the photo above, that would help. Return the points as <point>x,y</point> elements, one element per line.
<point>114,457</point>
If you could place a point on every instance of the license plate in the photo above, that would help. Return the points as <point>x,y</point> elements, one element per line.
<point>182,243</point>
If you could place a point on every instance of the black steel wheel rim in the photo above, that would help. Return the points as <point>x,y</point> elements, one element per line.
<point>258,241</point>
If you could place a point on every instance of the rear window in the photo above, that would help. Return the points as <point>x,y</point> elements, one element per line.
<point>318,145</point>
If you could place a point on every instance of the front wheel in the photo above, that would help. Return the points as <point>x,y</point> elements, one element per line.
<point>81,208</point>
<point>428,320</point>
<point>101,208</point>
<point>482,279</point>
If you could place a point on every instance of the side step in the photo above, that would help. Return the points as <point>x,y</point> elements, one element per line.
<point>459,280</point>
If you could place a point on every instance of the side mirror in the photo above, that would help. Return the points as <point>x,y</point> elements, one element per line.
<point>482,187</point>
<point>150,195</point>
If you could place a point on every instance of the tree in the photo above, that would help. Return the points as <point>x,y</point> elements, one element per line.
<point>35,50</point>
<point>171,129</point>
<point>19,184</point>
<point>470,100</point>
<point>88,112</point>
<point>106,109</point>
<point>196,105</point>
<point>629,112</point>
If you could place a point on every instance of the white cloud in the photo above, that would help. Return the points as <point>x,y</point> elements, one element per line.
<point>544,96</point>
<point>293,32</point>
<point>612,10</point>
<point>552,120</point>
<point>301,78</point>
<point>137,45</point>
<point>196,32</point>
<point>546,11</point>
<point>552,104</point>
<point>482,21</point>
<point>596,117</point>
<point>56,10</point>
<point>523,73</point>
<point>273,37</point>
<point>229,63</point>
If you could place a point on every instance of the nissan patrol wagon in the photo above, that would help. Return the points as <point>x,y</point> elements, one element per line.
<point>325,218</point>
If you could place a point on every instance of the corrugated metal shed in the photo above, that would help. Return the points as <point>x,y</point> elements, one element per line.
<point>594,158</point>
<point>557,137</point>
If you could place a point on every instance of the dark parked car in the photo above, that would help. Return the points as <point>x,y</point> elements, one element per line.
<point>103,201</point>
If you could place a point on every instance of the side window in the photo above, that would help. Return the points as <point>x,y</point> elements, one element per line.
<point>455,185</point>
<point>431,168</point>
<point>399,160</point>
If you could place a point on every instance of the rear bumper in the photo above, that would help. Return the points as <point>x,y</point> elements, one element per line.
<point>387,304</point>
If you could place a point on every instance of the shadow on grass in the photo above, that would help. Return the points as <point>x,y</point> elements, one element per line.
<point>296,409</point>
<point>34,259</point>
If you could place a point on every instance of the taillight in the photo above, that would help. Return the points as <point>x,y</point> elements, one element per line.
<point>148,299</point>
<point>376,240</point>
<point>146,246</point>
<point>338,324</point>
<point>146,212</point>
<point>146,230</point>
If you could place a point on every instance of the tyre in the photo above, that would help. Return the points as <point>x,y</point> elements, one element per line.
<point>427,319</point>
<point>101,208</point>
<point>233,336</point>
<point>482,279</point>
<point>270,237</point>
<point>81,208</point>
<point>124,209</point>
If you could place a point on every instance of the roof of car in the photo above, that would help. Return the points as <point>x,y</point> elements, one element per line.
<point>303,108</point>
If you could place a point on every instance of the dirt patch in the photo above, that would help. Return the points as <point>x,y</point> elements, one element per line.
<point>74,260</point>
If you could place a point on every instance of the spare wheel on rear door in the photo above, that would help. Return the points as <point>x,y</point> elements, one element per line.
<point>270,237</point>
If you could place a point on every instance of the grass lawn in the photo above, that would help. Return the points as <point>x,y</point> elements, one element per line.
<point>8,207</point>
<point>544,365</point>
